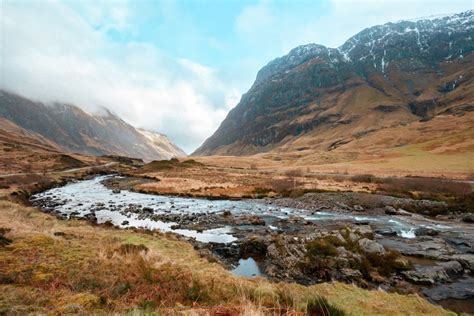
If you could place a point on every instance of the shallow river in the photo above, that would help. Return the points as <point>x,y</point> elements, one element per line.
<point>91,199</point>
<point>79,198</point>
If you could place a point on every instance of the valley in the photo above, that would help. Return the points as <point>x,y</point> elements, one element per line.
<point>341,183</point>
<point>250,220</point>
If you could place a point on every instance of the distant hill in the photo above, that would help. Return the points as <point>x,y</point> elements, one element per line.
<point>388,86</point>
<point>67,127</point>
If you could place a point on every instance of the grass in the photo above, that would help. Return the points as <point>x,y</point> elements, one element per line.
<point>319,306</point>
<point>414,158</point>
<point>173,163</point>
<point>94,269</point>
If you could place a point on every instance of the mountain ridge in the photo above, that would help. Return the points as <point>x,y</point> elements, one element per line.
<point>386,75</point>
<point>68,127</point>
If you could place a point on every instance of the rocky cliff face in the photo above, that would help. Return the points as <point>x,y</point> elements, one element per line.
<point>71,129</point>
<point>385,76</point>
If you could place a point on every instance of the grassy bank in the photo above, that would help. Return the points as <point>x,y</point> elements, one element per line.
<point>48,265</point>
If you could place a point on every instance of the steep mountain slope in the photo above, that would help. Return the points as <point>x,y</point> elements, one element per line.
<point>334,99</point>
<point>162,144</point>
<point>69,128</point>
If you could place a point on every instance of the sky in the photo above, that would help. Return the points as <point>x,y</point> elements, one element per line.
<point>174,67</point>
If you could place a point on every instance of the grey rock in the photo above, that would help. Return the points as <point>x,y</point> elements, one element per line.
<point>423,231</point>
<point>462,289</point>
<point>390,210</point>
<point>371,246</point>
<point>441,272</point>
<point>468,218</point>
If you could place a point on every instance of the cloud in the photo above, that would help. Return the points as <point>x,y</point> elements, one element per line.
<point>55,54</point>
<point>268,26</point>
<point>143,60</point>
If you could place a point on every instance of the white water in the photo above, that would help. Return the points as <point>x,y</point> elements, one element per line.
<point>83,196</point>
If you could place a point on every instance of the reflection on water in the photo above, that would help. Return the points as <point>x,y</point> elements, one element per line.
<point>247,268</point>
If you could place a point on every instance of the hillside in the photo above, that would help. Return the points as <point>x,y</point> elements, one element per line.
<point>388,90</point>
<point>68,128</point>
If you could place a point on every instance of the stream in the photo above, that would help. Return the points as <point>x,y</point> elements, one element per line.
<point>77,199</point>
<point>91,199</point>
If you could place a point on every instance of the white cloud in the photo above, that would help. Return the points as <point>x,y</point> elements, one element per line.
<point>55,51</point>
<point>270,27</point>
<point>53,54</point>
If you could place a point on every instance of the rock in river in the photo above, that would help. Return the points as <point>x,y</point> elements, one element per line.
<point>370,246</point>
<point>441,272</point>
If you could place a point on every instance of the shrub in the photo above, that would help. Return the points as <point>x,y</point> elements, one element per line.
<point>319,306</point>
<point>426,185</point>
<point>197,292</point>
<point>131,248</point>
<point>388,263</point>
<point>294,173</point>
<point>320,248</point>
<point>464,204</point>
<point>365,178</point>
<point>4,241</point>
<point>259,190</point>
<point>282,185</point>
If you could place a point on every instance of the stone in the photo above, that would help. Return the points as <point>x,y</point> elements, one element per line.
<point>466,260</point>
<point>462,289</point>
<point>424,246</point>
<point>364,230</point>
<point>403,212</point>
<point>468,218</point>
<point>358,208</point>
<point>441,272</point>
<point>147,210</point>
<point>390,210</point>
<point>370,246</point>
<point>423,231</point>
<point>350,275</point>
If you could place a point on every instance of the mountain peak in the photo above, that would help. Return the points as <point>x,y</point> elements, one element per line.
<point>389,74</point>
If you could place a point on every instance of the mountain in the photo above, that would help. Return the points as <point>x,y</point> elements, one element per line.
<point>387,86</point>
<point>162,144</point>
<point>67,127</point>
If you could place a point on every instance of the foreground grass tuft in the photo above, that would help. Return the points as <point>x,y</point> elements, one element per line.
<point>319,306</point>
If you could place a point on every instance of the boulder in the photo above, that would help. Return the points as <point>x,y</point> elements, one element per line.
<point>424,246</point>
<point>462,289</point>
<point>466,260</point>
<point>468,218</point>
<point>371,246</point>
<point>424,231</point>
<point>254,246</point>
<point>390,210</point>
<point>349,275</point>
<point>365,230</point>
<point>147,210</point>
<point>441,272</point>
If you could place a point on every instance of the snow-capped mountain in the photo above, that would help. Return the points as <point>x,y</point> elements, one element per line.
<point>386,75</point>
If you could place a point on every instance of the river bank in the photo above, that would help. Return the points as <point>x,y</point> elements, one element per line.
<point>315,238</point>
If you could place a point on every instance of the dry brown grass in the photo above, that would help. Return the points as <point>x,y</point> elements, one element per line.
<point>85,269</point>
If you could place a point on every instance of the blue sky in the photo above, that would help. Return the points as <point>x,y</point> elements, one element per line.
<point>175,67</point>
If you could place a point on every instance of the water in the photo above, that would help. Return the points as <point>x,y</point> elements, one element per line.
<point>247,268</point>
<point>81,197</point>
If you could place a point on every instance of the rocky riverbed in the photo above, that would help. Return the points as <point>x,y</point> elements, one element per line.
<point>366,239</point>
